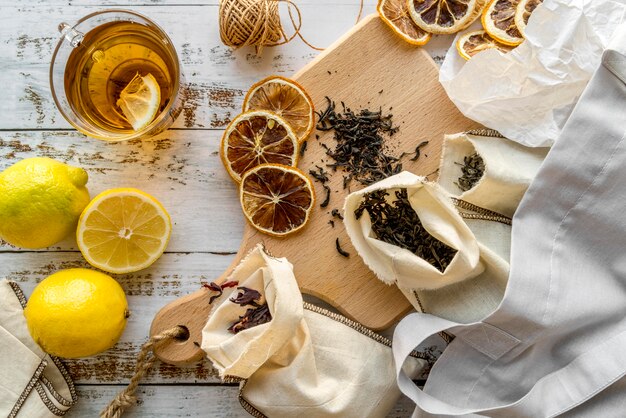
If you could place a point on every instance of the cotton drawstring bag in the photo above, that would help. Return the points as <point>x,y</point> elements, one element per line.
<point>306,361</point>
<point>33,384</point>
<point>471,285</point>
<point>555,345</point>
<point>508,169</point>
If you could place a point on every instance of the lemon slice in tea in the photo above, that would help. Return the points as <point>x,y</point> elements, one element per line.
<point>287,99</point>
<point>522,13</point>
<point>276,199</point>
<point>445,16</point>
<point>254,138</point>
<point>477,41</point>
<point>499,21</point>
<point>395,13</point>
<point>140,101</point>
<point>123,231</point>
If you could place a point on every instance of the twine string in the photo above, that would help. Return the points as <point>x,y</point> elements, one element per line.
<point>257,23</point>
<point>126,398</point>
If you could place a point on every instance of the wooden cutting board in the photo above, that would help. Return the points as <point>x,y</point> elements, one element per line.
<point>369,67</point>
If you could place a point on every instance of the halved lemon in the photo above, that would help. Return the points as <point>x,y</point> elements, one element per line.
<point>123,230</point>
<point>255,138</point>
<point>395,13</point>
<point>522,13</point>
<point>477,41</point>
<point>499,21</point>
<point>287,99</point>
<point>444,16</point>
<point>276,199</point>
<point>140,101</point>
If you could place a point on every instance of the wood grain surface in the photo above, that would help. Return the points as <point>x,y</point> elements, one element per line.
<point>181,167</point>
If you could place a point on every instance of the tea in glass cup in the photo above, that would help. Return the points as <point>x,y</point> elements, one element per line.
<point>115,75</point>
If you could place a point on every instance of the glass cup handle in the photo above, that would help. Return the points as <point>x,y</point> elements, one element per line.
<point>72,36</point>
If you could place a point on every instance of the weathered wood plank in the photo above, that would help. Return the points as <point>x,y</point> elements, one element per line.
<point>187,401</point>
<point>180,168</point>
<point>172,276</point>
<point>217,76</point>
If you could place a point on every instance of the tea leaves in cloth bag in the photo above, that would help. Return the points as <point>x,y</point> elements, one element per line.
<point>473,282</point>
<point>302,361</point>
<point>486,169</point>
<point>33,384</point>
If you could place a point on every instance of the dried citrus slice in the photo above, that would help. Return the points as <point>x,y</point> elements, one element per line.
<point>395,13</point>
<point>276,199</point>
<point>254,138</point>
<point>499,21</point>
<point>140,100</point>
<point>522,13</point>
<point>445,16</point>
<point>287,99</point>
<point>474,42</point>
<point>123,231</point>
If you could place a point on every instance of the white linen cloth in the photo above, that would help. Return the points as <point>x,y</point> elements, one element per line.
<point>528,94</point>
<point>556,344</point>
<point>33,384</point>
<point>305,361</point>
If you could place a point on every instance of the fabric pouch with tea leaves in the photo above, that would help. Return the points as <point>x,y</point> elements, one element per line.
<point>484,168</point>
<point>463,282</point>
<point>33,384</point>
<point>300,360</point>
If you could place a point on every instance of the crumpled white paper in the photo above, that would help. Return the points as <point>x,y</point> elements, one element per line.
<point>528,94</point>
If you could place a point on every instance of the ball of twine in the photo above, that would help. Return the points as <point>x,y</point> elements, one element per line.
<point>257,23</point>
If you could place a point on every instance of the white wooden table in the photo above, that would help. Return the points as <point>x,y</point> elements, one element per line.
<point>180,167</point>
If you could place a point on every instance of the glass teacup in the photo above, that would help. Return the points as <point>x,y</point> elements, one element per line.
<point>115,75</point>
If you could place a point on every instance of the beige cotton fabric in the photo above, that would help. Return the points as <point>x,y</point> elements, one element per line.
<point>302,362</point>
<point>509,169</point>
<point>474,282</point>
<point>33,384</point>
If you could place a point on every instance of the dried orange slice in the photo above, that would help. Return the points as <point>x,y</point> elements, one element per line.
<point>499,21</point>
<point>254,138</point>
<point>395,13</point>
<point>445,16</point>
<point>522,13</point>
<point>474,42</point>
<point>276,199</point>
<point>287,99</point>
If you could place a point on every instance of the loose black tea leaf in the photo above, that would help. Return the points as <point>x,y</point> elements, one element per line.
<point>246,296</point>
<point>417,150</point>
<point>336,214</point>
<point>397,223</point>
<point>473,168</point>
<point>303,148</point>
<point>253,317</point>
<point>360,149</point>
<point>327,199</point>
<point>319,174</point>
<point>331,223</point>
<point>340,250</point>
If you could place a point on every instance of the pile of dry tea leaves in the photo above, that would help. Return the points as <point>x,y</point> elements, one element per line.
<point>360,148</point>
<point>473,168</point>
<point>397,223</point>
<point>256,315</point>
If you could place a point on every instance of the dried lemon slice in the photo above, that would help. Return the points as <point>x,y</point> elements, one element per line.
<point>445,16</point>
<point>123,231</point>
<point>255,138</point>
<point>499,21</point>
<point>140,101</point>
<point>395,13</point>
<point>523,11</point>
<point>276,199</point>
<point>287,99</point>
<point>474,42</point>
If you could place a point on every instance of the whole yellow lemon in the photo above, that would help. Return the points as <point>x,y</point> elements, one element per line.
<point>41,200</point>
<point>77,313</point>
